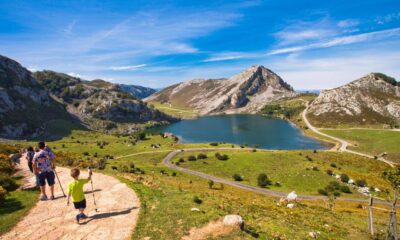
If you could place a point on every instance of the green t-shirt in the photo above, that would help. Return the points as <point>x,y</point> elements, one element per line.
<point>75,188</point>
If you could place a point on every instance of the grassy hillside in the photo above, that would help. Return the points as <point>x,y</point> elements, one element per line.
<point>167,196</point>
<point>374,142</point>
<point>302,171</point>
<point>175,110</point>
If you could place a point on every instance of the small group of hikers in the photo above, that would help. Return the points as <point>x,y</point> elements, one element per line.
<point>42,163</point>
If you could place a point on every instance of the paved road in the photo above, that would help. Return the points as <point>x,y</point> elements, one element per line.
<point>268,192</point>
<point>343,143</point>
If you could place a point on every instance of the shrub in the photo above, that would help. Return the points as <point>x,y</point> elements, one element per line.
<point>131,165</point>
<point>197,200</point>
<point>173,174</point>
<point>192,158</point>
<point>85,154</point>
<point>263,180</point>
<point>214,144</point>
<point>315,151</point>
<point>201,156</point>
<point>361,183</point>
<point>5,164</point>
<point>323,192</point>
<point>3,194</point>
<point>181,160</point>
<point>315,169</point>
<point>237,177</point>
<point>336,193</point>
<point>329,172</point>
<point>345,189</point>
<point>8,183</point>
<point>221,157</point>
<point>333,165</point>
<point>278,184</point>
<point>344,178</point>
<point>210,184</point>
<point>309,158</point>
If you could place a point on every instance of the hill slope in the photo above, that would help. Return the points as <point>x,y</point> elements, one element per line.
<point>26,109</point>
<point>245,92</point>
<point>372,99</point>
<point>137,91</point>
<point>100,104</point>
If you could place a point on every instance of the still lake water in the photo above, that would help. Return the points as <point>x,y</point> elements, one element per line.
<point>242,129</point>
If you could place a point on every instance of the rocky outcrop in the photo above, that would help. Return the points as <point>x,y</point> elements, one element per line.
<point>246,92</point>
<point>100,104</point>
<point>372,99</point>
<point>25,107</point>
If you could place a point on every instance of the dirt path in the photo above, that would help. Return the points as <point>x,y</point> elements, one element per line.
<point>118,210</point>
<point>343,143</point>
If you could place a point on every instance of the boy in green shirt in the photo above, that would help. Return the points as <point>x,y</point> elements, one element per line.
<point>75,189</point>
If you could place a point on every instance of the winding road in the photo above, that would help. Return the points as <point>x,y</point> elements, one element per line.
<point>343,143</point>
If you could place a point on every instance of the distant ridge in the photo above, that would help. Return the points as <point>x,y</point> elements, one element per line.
<point>372,99</point>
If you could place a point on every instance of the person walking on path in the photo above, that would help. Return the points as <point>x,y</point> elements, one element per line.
<point>75,189</point>
<point>43,167</point>
<point>30,153</point>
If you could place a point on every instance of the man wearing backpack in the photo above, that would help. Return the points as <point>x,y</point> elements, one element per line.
<point>43,167</point>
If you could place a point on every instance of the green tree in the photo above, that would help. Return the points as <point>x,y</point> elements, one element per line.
<point>263,180</point>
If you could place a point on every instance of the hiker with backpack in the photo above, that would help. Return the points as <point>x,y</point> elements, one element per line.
<point>43,168</point>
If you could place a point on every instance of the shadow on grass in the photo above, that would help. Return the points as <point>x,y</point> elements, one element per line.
<point>109,214</point>
<point>10,205</point>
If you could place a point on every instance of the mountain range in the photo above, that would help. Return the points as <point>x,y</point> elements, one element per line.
<point>48,103</point>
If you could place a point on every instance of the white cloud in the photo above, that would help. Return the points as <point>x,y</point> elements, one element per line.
<point>339,41</point>
<point>348,23</point>
<point>128,68</point>
<point>69,28</point>
<point>387,18</point>
<point>223,57</point>
<point>73,74</point>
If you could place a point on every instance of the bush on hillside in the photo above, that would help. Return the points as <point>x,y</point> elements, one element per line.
<point>345,189</point>
<point>329,172</point>
<point>192,158</point>
<point>214,144</point>
<point>201,156</point>
<point>237,177</point>
<point>223,157</point>
<point>263,180</point>
<point>344,178</point>
<point>361,183</point>
<point>6,166</point>
<point>333,165</point>
<point>197,200</point>
<point>8,183</point>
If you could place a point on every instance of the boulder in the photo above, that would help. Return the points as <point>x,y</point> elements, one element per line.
<point>234,220</point>
<point>292,196</point>
<point>290,205</point>
<point>195,210</point>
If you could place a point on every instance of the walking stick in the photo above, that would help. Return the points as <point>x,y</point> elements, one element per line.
<point>59,183</point>
<point>94,199</point>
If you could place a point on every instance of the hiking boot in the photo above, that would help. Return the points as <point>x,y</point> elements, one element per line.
<point>83,216</point>
<point>52,198</point>
<point>43,198</point>
<point>78,217</point>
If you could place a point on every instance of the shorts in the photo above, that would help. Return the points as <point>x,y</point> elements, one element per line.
<point>46,176</point>
<point>81,204</point>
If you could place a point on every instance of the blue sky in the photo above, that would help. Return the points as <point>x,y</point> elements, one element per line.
<point>310,44</point>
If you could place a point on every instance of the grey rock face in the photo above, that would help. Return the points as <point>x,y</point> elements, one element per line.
<point>246,92</point>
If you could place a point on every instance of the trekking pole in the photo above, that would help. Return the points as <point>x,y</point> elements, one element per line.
<point>59,183</point>
<point>94,199</point>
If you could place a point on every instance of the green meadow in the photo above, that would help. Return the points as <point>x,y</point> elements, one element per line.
<point>374,142</point>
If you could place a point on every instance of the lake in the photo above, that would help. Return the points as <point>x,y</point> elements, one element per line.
<point>242,129</point>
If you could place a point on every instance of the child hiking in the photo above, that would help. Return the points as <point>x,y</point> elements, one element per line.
<point>43,168</point>
<point>75,190</point>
